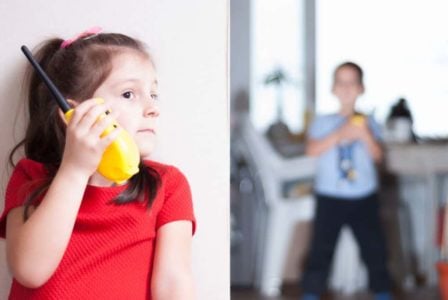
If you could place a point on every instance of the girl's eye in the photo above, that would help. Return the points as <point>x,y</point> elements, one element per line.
<point>128,95</point>
<point>154,96</point>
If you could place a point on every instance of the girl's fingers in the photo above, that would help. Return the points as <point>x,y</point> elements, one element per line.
<point>108,139</point>
<point>93,115</point>
<point>100,126</point>
<point>80,111</point>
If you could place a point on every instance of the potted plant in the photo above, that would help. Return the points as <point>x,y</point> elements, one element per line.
<point>278,79</point>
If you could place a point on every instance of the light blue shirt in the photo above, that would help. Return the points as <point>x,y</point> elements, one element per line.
<point>329,181</point>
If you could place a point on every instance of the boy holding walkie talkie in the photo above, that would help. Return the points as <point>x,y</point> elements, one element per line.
<point>347,147</point>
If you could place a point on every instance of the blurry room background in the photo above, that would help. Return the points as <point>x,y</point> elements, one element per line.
<point>283,55</point>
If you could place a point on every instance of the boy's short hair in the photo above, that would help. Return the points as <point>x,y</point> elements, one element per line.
<point>353,66</point>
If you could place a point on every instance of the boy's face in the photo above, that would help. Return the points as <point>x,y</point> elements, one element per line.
<point>347,86</point>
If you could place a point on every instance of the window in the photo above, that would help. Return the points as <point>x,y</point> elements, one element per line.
<point>278,43</point>
<point>402,47</point>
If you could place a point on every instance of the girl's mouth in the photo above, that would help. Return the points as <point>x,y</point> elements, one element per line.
<point>147,130</point>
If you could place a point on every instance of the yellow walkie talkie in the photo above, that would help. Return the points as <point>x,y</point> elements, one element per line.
<point>121,158</point>
<point>358,119</point>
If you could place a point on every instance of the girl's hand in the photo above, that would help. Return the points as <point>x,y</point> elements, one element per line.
<point>83,145</point>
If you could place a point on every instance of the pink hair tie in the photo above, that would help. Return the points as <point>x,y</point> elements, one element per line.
<point>86,34</point>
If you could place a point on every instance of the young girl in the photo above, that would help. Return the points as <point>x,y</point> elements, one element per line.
<point>347,147</point>
<point>71,233</point>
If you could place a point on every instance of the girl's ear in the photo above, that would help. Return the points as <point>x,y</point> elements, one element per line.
<point>73,103</point>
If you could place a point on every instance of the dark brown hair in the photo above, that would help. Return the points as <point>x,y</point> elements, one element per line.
<point>77,70</point>
<point>352,66</point>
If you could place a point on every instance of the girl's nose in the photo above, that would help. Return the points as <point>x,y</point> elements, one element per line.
<point>151,109</point>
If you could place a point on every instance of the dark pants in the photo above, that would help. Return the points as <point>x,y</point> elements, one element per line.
<point>363,218</point>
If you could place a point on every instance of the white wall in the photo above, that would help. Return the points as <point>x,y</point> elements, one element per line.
<point>189,42</point>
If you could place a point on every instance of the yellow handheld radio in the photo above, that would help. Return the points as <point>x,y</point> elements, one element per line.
<point>358,119</point>
<point>121,158</point>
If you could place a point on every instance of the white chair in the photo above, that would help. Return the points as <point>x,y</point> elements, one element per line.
<point>282,213</point>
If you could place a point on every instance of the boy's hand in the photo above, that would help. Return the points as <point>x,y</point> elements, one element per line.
<point>364,131</point>
<point>350,132</point>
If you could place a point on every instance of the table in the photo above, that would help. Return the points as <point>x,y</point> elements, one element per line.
<point>422,169</point>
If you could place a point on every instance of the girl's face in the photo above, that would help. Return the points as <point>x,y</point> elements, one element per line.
<point>347,87</point>
<point>131,92</point>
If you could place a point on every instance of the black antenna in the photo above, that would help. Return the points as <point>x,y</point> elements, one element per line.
<point>62,102</point>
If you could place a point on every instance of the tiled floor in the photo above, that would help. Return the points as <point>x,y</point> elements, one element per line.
<point>291,294</point>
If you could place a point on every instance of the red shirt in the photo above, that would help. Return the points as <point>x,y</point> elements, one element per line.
<point>111,250</point>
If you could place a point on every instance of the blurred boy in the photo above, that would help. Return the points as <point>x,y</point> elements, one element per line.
<point>347,147</point>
